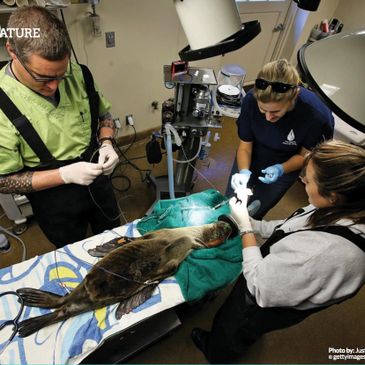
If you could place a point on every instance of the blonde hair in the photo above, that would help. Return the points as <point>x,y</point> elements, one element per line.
<point>339,169</point>
<point>277,71</point>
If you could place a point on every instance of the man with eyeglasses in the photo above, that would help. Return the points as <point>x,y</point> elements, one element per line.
<point>48,150</point>
<point>280,122</point>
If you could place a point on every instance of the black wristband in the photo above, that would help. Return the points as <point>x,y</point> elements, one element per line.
<point>101,140</point>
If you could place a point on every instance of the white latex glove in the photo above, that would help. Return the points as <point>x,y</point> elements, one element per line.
<point>242,193</point>
<point>239,213</point>
<point>240,179</point>
<point>108,158</point>
<point>81,173</point>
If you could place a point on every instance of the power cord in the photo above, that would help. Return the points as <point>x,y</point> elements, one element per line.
<point>121,214</point>
<point>24,248</point>
<point>198,172</point>
<point>115,175</point>
<point>72,48</point>
<point>134,138</point>
<point>129,162</point>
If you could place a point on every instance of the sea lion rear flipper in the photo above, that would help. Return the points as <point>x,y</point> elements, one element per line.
<point>134,301</point>
<point>31,325</point>
<point>40,298</point>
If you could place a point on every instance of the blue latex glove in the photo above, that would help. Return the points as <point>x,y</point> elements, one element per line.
<point>272,173</point>
<point>240,180</point>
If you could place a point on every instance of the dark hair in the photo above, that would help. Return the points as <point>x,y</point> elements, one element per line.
<point>53,44</point>
<point>339,170</point>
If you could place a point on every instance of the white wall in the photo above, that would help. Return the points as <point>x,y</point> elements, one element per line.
<point>325,10</point>
<point>149,35</point>
<point>130,75</point>
<point>352,14</point>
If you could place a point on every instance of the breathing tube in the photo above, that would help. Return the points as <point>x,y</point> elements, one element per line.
<point>170,163</point>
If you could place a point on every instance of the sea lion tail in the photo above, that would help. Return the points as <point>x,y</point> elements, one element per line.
<point>40,298</point>
<point>32,325</point>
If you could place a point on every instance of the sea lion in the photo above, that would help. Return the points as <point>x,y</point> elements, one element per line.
<point>127,274</point>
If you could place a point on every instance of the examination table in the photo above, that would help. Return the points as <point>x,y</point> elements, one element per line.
<point>96,336</point>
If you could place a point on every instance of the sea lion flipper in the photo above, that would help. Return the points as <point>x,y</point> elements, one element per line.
<point>40,298</point>
<point>103,249</point>
<point>134,301</point>
<point>31,325</point>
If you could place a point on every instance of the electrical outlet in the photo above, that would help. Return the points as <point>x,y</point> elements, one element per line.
<point>117,122</point>
<point>110,39</point>
<point>129,119</point>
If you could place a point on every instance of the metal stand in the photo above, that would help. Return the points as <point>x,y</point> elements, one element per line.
<point>190,116</point>
<point>17,209</point>
<point>183,172</point>
<point>124,345</point>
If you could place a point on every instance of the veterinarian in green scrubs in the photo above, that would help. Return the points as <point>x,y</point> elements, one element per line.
<point>60,120</point>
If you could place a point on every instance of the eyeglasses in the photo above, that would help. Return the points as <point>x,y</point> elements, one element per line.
<point>277,87</point>
<point>45,79</point>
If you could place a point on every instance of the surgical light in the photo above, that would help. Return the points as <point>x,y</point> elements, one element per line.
<point>334,68</point>
<point>213,27</point>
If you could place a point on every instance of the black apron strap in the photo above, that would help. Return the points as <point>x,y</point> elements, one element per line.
<point>25,128</point>
<point>342,231</point>
<point>345,232</point>
<point>93,97</point>
<point>31,136</point>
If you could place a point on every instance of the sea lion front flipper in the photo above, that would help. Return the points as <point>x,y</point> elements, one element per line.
<point>134,301</point>
<point>103,249</point>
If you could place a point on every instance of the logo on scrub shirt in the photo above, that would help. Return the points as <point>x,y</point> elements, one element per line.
<point>290,139</point>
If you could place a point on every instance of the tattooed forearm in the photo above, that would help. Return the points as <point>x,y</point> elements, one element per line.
<point>17,183</point>
<point>109,123</point>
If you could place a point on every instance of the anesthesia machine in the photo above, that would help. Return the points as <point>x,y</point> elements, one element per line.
<point>200,100</point>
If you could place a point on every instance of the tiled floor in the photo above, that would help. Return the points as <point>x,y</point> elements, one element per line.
<point>308,342</point>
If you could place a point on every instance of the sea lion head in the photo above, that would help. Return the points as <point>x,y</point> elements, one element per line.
<point>182,240</point>
<point>207,235</point>
<point>215,234</point>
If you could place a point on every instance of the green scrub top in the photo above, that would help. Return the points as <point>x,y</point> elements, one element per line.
<point>65,129</point>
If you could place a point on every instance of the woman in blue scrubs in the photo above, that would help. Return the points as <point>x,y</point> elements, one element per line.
<point>280,122</point>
